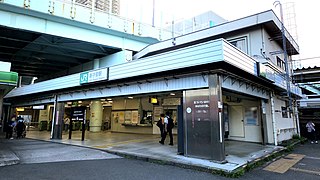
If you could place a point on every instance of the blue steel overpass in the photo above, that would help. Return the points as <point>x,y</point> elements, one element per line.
<point>42,37</point>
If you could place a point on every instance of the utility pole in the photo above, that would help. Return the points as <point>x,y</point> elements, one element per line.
<point>153,9</point>
<point>284,46</point>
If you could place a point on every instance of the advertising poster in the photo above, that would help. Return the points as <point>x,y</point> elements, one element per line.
<point>127,117</point>
<point>135,117</point>
<point>121,117</point>
<point>118,116</point>
<point>251,116</point>
<point>156,113</point>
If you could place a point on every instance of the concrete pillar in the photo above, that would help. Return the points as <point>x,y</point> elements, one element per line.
<point>96,111</point>
<point>1,107</point>
<point>57,122</point>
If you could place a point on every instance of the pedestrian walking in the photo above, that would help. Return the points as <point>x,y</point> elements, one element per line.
<point>170,126</point>
<point>66,123</point>
<point>311,132</point>
<point>165,125</point>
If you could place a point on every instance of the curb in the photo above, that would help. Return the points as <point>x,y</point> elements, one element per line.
<point>8,158</point>
<point>238,172</point>
<point>9,162</point>
<point>149,159</point>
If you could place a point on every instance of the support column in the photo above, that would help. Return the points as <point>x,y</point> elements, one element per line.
<point>203,121</point>
<point>96,110</point>
<point>1,107</point>
<point>57,122</point>
<point>217,124</point>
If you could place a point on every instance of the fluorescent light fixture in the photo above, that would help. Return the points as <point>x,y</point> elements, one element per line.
<point>172,94</point>
<point>20,108</point>
<point>109,99</point>
<point>79,102</point>
<point>130,97</point>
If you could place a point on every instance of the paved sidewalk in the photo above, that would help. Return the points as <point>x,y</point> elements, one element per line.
<point>147,148</point>
<point>7,156</point>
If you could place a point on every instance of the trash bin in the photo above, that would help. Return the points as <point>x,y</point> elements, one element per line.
<point>43,125</point>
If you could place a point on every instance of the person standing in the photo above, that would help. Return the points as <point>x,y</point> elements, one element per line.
<point>9,127</point>
<point>162,126</point>
<point>170,126</point>
<point>311,132</point>
<point>20,127</point>
<point>66,123</point>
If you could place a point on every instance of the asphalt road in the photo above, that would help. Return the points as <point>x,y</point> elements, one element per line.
<point>45,160</point>
<point>306,169</point>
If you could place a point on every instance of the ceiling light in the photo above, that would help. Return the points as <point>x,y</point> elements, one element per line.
<point>172,94</point>
<point>130,97</point>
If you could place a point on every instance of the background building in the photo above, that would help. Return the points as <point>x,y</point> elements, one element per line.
<point>112,6</point>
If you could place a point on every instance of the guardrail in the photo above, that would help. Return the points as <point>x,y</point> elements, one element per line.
<point>83,13</point>
<point>272,73</point>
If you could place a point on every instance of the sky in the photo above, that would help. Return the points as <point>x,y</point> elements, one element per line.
<point>305,12</point>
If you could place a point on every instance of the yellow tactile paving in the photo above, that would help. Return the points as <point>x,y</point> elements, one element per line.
<point>282,165</point>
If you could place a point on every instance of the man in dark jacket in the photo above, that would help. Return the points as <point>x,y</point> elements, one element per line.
<point>162,127</point>
<point>165,124</point>
<point>169,127</point>
<point>20,127</point>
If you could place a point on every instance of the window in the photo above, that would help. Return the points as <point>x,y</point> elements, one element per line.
<point>251,116</point>
<point>240,43</point>
<point>281,63</point>
<point>284,112</point>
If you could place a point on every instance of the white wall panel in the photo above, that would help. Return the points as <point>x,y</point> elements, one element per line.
<point>186,57</point>
<point>204,53</point>
<point>239,59</point>
<point>153,87</point>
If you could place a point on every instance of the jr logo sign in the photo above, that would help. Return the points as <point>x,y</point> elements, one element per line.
<point>84,78</point>
<point>94,75</point>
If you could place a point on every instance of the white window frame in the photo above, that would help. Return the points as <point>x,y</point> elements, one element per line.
<point>241,38</point>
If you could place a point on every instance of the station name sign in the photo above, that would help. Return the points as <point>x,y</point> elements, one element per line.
<point>94,76</point>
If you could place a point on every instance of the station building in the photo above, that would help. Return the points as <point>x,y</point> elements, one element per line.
<point>223,83</point>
